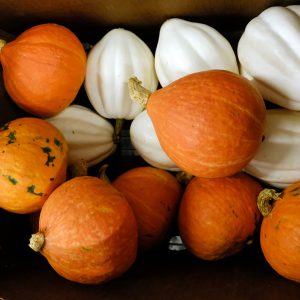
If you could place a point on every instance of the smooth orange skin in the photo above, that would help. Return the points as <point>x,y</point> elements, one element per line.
<point>218,216</point>
<point>209,123</point>
<point>90,231</point>
<point>25,161</point>
<point>280,234</point>
<point>43,69</point>
<point>154,196</point>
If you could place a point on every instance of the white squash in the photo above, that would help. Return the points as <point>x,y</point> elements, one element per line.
<point>89,136</point>
<point>269,54</point>
<point>277,161</point>
<point>119,55</point>
<point>186,47</point>
<point>144,140</point>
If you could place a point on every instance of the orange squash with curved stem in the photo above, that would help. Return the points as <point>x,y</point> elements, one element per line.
<point>280,230</point>
<point>43,69</point>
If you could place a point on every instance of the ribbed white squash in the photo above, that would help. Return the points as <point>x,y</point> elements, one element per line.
<point>186,47</point>
<point>145,141</point>
<point>269,54</point>
<point>88,135</point>
<point>277,160</point>
<point>119,55</point>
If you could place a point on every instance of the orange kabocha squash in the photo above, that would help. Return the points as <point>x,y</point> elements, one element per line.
<point>209,123</point>
<point>154,195</point>
<point>218,216</point>
<point>33,162</point>
<point>280,230</point>
<point>43,69</point>
<point>87,231</point>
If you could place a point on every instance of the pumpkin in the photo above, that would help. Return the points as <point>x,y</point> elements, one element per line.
<point>277,160</point>
<point>269,56</point>
<point>154,196</point>
<point>280,230</point>
<point>218,216</point>
<point>144,140</point>
<point>117,56</point>
<point>89,136</point>
<point>33,162</point>
<point>43,69</point>
<point>194,47</point>
<point>209,123</point>
<point>87,231</point>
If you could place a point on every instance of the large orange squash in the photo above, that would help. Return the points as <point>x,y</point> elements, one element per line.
<point>280,230</point>
<point>209,123</point>
<point>43,69</point>
<point>87,231</point>
<point>33,162</point>
<point>218,216</point>
<point>154,196</point>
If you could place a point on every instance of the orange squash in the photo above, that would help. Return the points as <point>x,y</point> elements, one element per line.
<point>154,196</point>
<point>33,162</point>
<point>209,123</point>
<point>43,69</point>
<point>280,230</point>
<point>218,216</point>
<point>87,231</point>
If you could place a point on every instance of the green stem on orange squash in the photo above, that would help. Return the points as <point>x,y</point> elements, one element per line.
<point>36,242</point>
<point>2,44</point>
<point>102,173</point>
<point>266,199</point>
<point>137,92</point>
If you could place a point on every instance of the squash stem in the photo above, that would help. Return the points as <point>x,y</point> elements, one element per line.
<point>36,242</point>
<point>79,168</point>
<point>102,173</point>
<point>266,200</point>
<point>118,128</point>
<point>137,92</point>
<point>184,177</point>
<point>2,44</point>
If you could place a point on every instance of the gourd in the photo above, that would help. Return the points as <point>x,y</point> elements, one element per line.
<point>89,136</point>
<point>33,162</point>
<point>117,56</point>
<point>87,231</point>
<point>276,161</point>
<point>209,123</point>
<point>145,141</point>
<point>268,52</point>
<point>194,47</point>
<point>43,69</point>
<point>218,216</point>
<point>154,195</point>
<point>280,230</point>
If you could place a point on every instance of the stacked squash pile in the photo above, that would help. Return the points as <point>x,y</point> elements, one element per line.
<point>209,121</point>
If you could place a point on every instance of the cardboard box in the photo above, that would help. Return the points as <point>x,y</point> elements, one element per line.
<point>163,274</point>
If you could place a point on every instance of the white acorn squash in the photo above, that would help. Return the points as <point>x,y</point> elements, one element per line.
<point>144,140</point>
<point>89,136</point>
<point>119,55</point>
<point>277,161</point>
<point>269,55</point>
<point>186,47</point>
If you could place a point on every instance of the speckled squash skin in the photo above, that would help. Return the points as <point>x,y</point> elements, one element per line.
<point>33,162</point>
<point>280,234</point>
<point>217,217</point>
<point>90,231</point>
<point>154,195</point>
<point>209,123</point>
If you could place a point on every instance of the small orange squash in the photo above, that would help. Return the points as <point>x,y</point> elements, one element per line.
<point>87,231</point>
<point>154,196</point>
<point>209,123</point>
<point>218,216</point>
<point>33,162</point>
<point>43,69</point>
<point>280,230</point>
